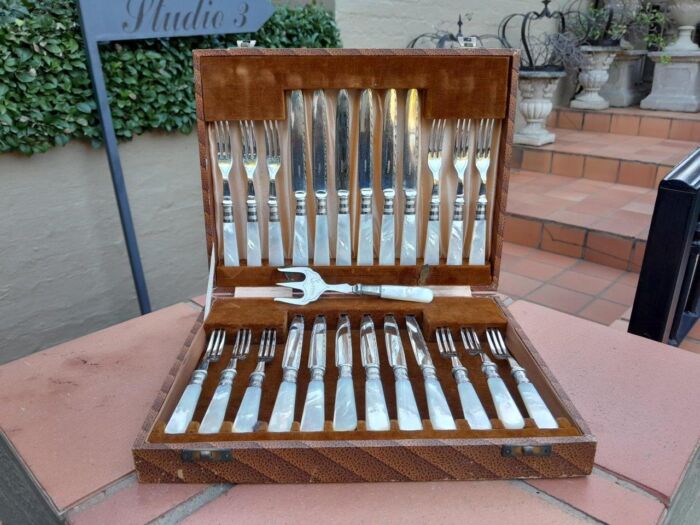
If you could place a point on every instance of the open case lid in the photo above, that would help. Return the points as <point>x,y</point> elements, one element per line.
<point>253,84</point>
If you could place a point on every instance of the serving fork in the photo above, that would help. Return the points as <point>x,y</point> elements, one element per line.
<point>472,408</point>
<point>506,408</point>
<point>484,136</point>
<point>536,407</point>
<point>247,416</point>
<point>222,132</point>
<point>275,246</point>
<point>250,163</point>
<point>214,417</point>
<point>432,243</point>
<point>182,416</point>
<point>460,159</point>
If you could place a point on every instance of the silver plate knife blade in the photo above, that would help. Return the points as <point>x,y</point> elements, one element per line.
<point>406,407</point>
<point>319,141</point>
<point>389,158</point>
<point>365,168</point>
<point>297,124</point>
<point>440,415</point>
<point>411,163</point>
<point>313,417</point>
<point>343,250</point>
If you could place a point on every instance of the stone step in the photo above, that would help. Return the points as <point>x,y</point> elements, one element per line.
<point>633,121</point>
<point>602,222</point>
<point>625,159</point>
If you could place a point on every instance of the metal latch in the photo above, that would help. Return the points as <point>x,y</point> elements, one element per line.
<point>215,455</point>
<point>511,451</point>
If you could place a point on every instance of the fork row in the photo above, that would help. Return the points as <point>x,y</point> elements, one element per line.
<point>354,235</point>
<point>376,417</point>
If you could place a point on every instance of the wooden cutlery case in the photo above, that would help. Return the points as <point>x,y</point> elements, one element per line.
<point>253,84</point>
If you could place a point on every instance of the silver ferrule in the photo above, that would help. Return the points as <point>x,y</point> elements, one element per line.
<point>321,203</point>
<point>434,214</point>
<point>227,377</point>
<point>489,369</point>
<point>300,197</point>
<point>428,372</point>
<point>410,206</point>
<point>518,372</point>
<point>481,208</point>
<point>366,202</point>
<point>252,207</point>
<point>372,372</point>
<point>272,203</point>
<point>289,375</point>
<point>400,373</point>
<point>366,289</point>
<point>389,196</point>
<point>258,375</point>
<point>227,206</point>
<point>343,202</point>
<point>198,376</point>
<point>317,374</point>
<point>345,370</point>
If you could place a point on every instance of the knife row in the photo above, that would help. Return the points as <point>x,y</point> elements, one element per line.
<point>476,135</point>
<point>345,418</point>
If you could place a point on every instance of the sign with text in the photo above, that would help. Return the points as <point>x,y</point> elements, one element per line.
<point>139,19</point>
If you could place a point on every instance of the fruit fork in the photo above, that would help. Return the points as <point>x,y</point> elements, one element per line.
<point>536,407</point>
<point>182,416</point>
<point>214,417</point>
<point>472,408</point>
<point>222,132</point>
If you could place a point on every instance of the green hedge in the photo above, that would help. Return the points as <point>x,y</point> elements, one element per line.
<point>45,92</point>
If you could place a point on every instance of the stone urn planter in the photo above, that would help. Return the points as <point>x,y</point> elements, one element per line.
<point>593,76</point>
<point>536,92</point>
<point>626,86</point>
<point>686,13</point>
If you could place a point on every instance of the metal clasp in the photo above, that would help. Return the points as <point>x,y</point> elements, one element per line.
<point>245,43</point>
<point>511,451</point>
<point>214,455</point>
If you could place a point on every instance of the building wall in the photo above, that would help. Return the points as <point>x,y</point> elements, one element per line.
<point>64,271</point>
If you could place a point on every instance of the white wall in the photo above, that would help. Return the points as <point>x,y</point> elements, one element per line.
<point>64,271</point>
<point>393,23</point>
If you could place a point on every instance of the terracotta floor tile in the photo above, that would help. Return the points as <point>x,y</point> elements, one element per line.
<point>624,228</point>
<point>570,119</point>
<point>559,298</point>
<point>567,195</point>
<point>654,127</point>
<point>522,231</point>
<point>516,250</point>
<point>536,160</point>
<point>692,345</point>
<point>593,208</point>
<point>597,122</point>
<point>534,269</point>
<point>620,293</point>
<point>613,246</point>
<point>581,282</point>
<point>629,278</point>
<point>634,393</point>
<point>602,311</point>
<point>572,218</point>
<point>621,325</point>
<point>695,331</point>
<point>102,412</point>
<point>625,124</point>
<point>598,168</point>
<point>567,165</point>
<point>553,259</point>
<point>516,286</point>
<point>601,497</point>
<point>563,240</point>
<point>637,174</point>
<point>640,207</point>
<point>494,502</point>
<point>597,270</point>
<point>137,504</point>
<point>681,130</point>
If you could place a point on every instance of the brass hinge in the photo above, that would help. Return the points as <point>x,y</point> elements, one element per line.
<point>511,451</point>
<point>215,455</point>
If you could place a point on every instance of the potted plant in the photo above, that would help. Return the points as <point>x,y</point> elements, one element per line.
<point>544,58</point>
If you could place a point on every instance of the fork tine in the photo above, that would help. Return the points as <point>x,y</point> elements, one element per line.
<point>438,336</point>
<point>501,342</point>
<point>226,139</point>
<point>267,138</point>
<point>253,143</point>
<point>236,344</point>
<point>273,343</point>
<point>431,139</point>
<point>295,301</point>
<point>293,285</point>
<point>492,342</point>
<point>443,123</point>
<point>241,126</point>
<point>277,140</point>
<point>450,342</point>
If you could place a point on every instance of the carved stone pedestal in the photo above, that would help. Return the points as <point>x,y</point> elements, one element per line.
<point>626,86</point>
<point>593,76</point>
<point>536,91</point>
<point>676,84</point>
